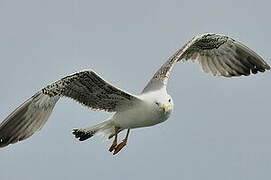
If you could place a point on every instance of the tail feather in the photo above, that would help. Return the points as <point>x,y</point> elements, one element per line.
<point>82,135</point>
<point>105,129</point>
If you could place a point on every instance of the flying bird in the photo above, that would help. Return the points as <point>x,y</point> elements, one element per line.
<point>217,54</point>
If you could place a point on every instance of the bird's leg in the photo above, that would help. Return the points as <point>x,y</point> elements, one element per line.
<point>122,144</point>
<point>112,135</point>
<point>115,141</point>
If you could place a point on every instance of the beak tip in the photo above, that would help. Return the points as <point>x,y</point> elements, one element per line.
<point>165,108</point>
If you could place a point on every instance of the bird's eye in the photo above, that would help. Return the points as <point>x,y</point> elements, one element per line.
<point>169,100</point>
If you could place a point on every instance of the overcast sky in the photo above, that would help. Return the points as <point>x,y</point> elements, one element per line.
<point>220,128</point>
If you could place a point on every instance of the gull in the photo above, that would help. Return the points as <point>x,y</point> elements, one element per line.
<point>217,54</point>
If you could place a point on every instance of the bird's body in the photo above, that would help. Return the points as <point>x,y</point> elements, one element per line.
<point>154,108</point>
<point>216,54</point>
<point>147,113</point>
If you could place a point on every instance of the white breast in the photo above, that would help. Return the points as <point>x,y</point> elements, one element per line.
<point>143,115</point>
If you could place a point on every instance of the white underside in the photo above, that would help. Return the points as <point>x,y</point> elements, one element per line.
<point>145,114</point>
<point>141,116</point>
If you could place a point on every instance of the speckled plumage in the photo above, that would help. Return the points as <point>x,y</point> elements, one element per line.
<point>89,89</point>
<point>217,54</point>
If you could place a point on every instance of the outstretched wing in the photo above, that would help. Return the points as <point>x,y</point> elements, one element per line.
<point>85,87</point>
<point>89,89</point>
<point>217,54</point>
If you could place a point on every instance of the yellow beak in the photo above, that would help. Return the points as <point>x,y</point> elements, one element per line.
<point>165,107</point>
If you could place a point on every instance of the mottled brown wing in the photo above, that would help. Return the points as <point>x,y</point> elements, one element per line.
<point>216,54</point>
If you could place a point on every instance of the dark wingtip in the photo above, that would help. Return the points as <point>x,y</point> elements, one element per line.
<point>3,143</point>
<point>82,135</point>
<point>267,66</point>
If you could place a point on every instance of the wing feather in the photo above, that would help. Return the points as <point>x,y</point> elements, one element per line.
<point>26,119</point>
<point>213,67</point>
<point>217,54</point>
<point>204,63</point>
<point>89,89</point>
<point>85,87</point>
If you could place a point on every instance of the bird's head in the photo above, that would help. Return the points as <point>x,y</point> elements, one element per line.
<point>164,104</point>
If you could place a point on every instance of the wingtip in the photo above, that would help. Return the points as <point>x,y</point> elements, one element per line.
<point>267,67</point>
<point>3,143</point>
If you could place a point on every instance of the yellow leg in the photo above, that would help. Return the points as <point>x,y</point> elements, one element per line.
<point>122,144</point>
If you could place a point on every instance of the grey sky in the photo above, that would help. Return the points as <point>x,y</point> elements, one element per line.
<point>220,128</point>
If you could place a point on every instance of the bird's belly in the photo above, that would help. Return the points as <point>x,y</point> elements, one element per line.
<point>136,118</point>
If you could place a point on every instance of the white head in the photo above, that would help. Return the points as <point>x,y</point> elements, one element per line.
<point>161,101</point>
<point>164,104</point>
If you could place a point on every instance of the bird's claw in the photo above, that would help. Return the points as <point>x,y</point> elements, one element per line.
<point>119,147</point>
<point>113,146</point>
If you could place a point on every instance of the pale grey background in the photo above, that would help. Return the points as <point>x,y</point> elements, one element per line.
<point>220,129</point>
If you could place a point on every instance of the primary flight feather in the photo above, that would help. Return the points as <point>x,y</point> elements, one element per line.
<point>216,54</point>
